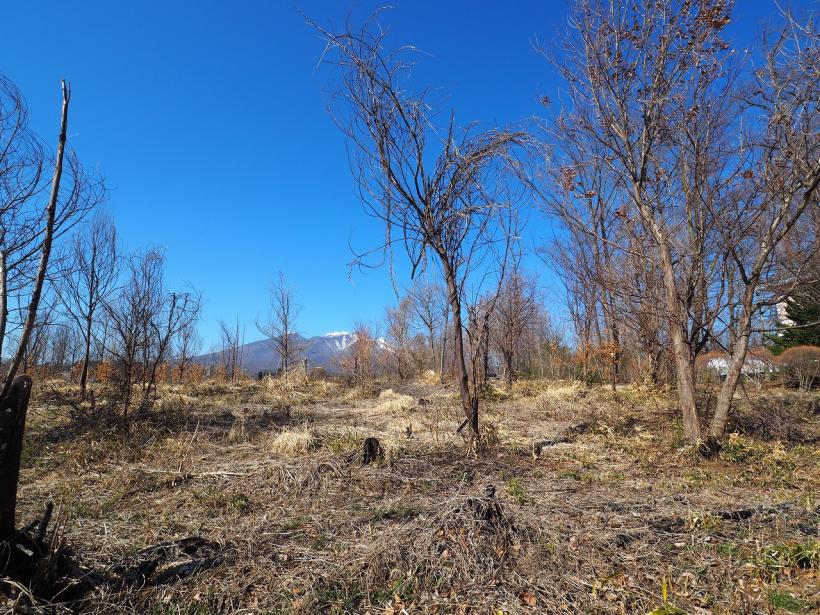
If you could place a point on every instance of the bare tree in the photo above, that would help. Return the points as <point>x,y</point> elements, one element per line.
<point>443,194</point>
<point>63,345</point>
<point>782,175</point>
<point>187,344</point>
<point>145,318</point>
<point>29,228</point>
<point>89,276</point>
<point>430,309</point>
<point>398,333</point>
<point>650,88</point>
<point>515,312</point>
<point>38,341</point>
<point>131,314</point>
<point>231,353</point>
<point>280,325</point>
<point>361,357</point>
<point>178,312</point>
<point>27,234</point>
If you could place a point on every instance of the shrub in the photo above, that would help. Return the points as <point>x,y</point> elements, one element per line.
<point>802,365</point>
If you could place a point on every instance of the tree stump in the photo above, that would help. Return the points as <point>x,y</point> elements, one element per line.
<point>371,450</point>
<point>13,409</point>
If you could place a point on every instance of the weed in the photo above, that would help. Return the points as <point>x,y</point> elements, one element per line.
<point>790,555</point>
<point>516,491</point>
<point>706,522</point>
<point>780,599</point>
<point>740,449</point>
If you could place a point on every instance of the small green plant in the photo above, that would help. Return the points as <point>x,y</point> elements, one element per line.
<point>727,549</point>
<point>342,442</point>
<point>740,449</point>
<point>516,491</point>
<point>667,608</point>
<point>573,474</point>
<point>790,555</point>
<point>293,524</point>
<point>705,522</point>
<point>780,599</point>
<point>241,503</point>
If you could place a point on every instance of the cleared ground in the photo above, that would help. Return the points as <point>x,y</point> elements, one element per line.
<point>597,508</point>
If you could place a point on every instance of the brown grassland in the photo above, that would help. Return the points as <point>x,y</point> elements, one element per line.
<point>598,505</point>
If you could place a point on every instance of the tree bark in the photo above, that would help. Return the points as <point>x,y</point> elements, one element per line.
<point>13,408</point>
<point>683,366</point>
<point>508,370</point>
<point>86,356</point>
<point>468,402</point>
<point>442,377</point>
<point>4,310</point>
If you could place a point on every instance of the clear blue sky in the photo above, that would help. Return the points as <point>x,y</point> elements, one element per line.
<point>208,121</point>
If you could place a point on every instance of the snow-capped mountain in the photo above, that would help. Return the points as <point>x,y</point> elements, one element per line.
<point>320,351</point>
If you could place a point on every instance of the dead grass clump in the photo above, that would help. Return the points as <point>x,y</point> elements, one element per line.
<point>390,401</point>
<point>490,435</point>
<point>237,432</point>
<point>430,376</point>
<point>290,389</point>
<point>449,556</point>
<point>294,442</point>
<point>178,402</point>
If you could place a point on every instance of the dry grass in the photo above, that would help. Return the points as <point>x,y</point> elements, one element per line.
<point>609,521</point>
<point>392,402</point>
<point>294,442</point>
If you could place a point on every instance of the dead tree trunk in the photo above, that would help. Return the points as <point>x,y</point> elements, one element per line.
<point>13,410</point>
<point>16,391</point>
<point>48,237</point>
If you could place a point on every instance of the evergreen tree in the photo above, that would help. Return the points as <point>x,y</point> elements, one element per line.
<point>803,309</point>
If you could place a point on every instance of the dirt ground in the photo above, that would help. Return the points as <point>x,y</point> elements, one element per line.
<point>578,501</point>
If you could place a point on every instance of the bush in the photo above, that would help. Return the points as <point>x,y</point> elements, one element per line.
<point>802,365</point>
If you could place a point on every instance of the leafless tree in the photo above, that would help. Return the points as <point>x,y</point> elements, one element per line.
<point>89,276</point>
<point>399,335</point>
<point>781,177</point>
<point>280,325</point>
<point>444,194</point>
<point>29,227</point>
<point>677,181</point>
<point>145,318</point>
<point>27,234</point>
<point>178,312</point>
<point>650,103</point>
<point>515,312</point>
<point>361,357</point>
<point>63,345</point>
<point>130,314</point>
<point>38,342</point>
<point>231,353</point>
<point>430,311</point>
<point>187,345</point>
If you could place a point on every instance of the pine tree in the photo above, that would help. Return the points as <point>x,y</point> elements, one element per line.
<point>803,309</point>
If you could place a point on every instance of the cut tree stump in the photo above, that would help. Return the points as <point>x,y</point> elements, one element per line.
<point>371,450</point>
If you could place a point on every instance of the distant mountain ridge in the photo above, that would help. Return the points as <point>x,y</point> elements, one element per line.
<point>321,351</point>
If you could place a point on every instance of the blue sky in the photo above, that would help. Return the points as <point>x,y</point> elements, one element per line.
<point>208,121</point>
